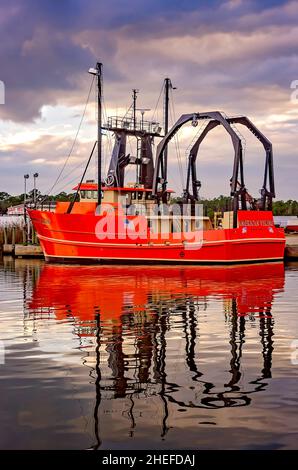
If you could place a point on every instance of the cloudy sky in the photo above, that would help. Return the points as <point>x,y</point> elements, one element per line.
<point>239,56</point>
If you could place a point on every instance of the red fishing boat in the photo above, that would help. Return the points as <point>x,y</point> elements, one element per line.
<point>112,221</point>
<point>292,226</point>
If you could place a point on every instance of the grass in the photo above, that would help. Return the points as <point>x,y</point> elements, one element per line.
<point>12,225</point>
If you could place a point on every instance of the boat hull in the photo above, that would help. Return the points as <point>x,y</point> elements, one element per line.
<point>71,238</point>
<point>292,228</point>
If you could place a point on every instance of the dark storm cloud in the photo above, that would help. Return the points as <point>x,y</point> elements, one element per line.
<point>43,155</point>
<point>36,58</point>
<point>235,55</point>
<point>45,47</point>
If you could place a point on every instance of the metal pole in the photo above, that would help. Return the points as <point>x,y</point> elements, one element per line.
<point>166,126</point>
<point>134,97</point>
<point>34,195</point>
<point>99,126</point>
<point>25,196</point>
<point>34,189</point>
<point>25,190</point>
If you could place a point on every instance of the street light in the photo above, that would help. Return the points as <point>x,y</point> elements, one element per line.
<point>25,194</point>
<point>36,175</point>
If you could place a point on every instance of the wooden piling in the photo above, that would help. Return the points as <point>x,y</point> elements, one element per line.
<point>24,236</point>
<point>5,236</point>
<point>13,236</point>
<point>291,251</point>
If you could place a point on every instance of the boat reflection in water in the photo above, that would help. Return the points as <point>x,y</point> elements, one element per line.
<point>159,331</point>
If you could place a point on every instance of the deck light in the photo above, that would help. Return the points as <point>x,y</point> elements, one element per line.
<point>93,71</point>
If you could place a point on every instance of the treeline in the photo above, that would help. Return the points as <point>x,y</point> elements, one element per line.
<point>224,203</point>
<point>217,204</point>
<point>7,200</point>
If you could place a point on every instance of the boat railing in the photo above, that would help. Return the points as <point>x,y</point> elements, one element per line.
<point>46,206</point>
<point>115,122</point>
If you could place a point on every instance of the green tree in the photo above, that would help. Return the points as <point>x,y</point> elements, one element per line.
<point>4,196</point>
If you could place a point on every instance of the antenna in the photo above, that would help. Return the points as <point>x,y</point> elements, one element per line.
<point>134,97</point>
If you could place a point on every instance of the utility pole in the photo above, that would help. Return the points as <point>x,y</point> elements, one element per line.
<point>34,193</point>
<point>25,197</point>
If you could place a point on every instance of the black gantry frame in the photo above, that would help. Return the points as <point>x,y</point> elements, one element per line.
<point>238,190</point>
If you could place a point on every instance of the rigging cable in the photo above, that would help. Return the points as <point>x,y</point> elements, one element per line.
<point>157,103</point>
<point>108,149</point>
<point>72,180</point>
<point>74,142</point>
<point>78,166</point>
<point>176,140</point>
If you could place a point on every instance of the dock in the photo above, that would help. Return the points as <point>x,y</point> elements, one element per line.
<point>35,251</point>
<point>20,242</point>
<point>23,251</point>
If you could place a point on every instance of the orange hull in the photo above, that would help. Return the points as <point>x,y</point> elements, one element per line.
<point>72,238</point>
<point>252,286</point>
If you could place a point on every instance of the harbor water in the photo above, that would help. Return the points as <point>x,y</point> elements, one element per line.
<point>161,357</point>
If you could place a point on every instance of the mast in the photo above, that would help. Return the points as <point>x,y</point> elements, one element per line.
<point>99,126</point>
<point>134,110</point>
<point>167,85</point>
<point>134,97</point>
<point>164,164</point>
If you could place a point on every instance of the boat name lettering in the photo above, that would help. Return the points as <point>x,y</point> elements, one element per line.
<point>254,223</point>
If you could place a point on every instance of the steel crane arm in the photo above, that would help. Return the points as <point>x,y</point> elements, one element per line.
<point>245,121</point>
<point>214,115</point>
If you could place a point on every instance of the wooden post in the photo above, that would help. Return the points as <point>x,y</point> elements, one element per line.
<point>34,237</point>
<point>29,234</point>
<point>5,235</point>
<point>13,236</point>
